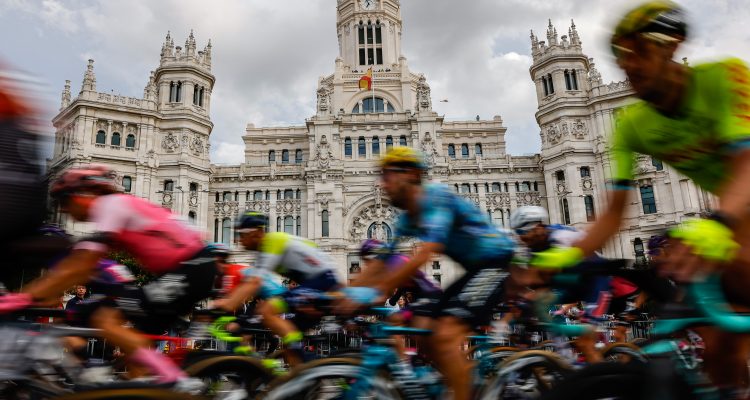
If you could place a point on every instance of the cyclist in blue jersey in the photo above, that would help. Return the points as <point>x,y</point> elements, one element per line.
<point>445,223</point>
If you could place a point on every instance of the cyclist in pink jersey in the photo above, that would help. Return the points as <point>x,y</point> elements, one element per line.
<point>163,245</point>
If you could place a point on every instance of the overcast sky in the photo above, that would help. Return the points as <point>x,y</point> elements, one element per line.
<point>268,54</point>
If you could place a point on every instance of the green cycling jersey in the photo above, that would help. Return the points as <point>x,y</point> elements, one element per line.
<point>713,123</point>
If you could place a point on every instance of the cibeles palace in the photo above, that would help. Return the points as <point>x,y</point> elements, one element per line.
<point>319,179</point>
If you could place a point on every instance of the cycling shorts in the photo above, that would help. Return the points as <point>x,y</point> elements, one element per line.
<point>155,306</point>
<point>473,297</point>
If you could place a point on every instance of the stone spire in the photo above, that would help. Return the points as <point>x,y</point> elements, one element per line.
<point>89,79</point>
<point>551,34</point>
<point>190,45</point>
<point>65,98</point>
<point>595,78</point>
<point>534,41</point>
<point>575,40</point>
<point>167,48</point>
<point>207,55</point>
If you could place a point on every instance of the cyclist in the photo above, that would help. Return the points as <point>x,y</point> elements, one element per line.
<point>164,246</point>
<point>698,120</point>
<point>445,223</point>
<point>292,257</point>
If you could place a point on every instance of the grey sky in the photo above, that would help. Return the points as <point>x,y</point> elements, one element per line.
<point>268,54</point>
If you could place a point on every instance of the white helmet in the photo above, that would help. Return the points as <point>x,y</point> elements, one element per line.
<point>526,215</point>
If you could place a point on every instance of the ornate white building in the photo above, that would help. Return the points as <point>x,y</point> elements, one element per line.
<point>320,179</point>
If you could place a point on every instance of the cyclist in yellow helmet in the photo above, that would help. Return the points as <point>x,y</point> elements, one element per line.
<point>697,119</point>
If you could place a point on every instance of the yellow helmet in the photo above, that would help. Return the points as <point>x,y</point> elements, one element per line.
<point>402,156</point>
<point>662,19</point>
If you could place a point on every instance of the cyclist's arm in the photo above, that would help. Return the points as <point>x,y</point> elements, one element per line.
<point>422,255</point>
<point>606,225</point>
<point>734,193</point>
<point>245,290</point>
<point>76,269</point>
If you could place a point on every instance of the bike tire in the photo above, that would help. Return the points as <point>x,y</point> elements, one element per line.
<point>632,352</point>
<point>545,367</point>
<point>129,394</point>
<point>304,380</point>
<point>250,372</point>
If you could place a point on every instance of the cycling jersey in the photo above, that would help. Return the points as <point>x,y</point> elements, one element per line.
<point>712,123</point>
<point>293,257</point>
<point>465,231</point>
<point>269,287</point>
<point>152,234</point>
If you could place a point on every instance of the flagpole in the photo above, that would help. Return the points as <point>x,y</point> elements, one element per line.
<point>372,86</point>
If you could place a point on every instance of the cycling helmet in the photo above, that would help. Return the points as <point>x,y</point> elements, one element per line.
<point>94,178</point>
<point>525,216</point>
<point>371,246</point>
<point>252,219</point>
<point>661,20</point>
<point>218,249</point>
<point>404,157</point>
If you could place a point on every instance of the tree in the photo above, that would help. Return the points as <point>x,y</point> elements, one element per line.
<point>142,276</point>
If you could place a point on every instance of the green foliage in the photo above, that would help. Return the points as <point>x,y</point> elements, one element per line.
<point>141,276</point>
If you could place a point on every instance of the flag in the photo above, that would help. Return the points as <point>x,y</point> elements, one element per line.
<point>365,82</point>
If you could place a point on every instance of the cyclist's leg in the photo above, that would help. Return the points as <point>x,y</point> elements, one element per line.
<point>290,335</point>
<point>446,350</point>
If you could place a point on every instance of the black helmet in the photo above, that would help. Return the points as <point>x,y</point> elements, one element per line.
<point>252,219</point>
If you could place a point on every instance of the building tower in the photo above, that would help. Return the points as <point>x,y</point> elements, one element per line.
<point>569,156</point>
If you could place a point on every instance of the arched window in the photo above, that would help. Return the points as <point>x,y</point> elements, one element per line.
<point>536,186</point>
<point>361,147</point>
<point>571,81</point>
<point>191,217</point>
<point>498,218</point>
<point>130,141</point>
<point>640,254</point>
<point>495,187</point>
<point>289,224</point>
<point>378,105</point>
<point>505,185</point>
<point>179,92</point>
<point>272,156</point>
<point>298,156</point>
<point>101,137</point>
<point>588,202</point>
<point>388,142</point>
<point>380,231</point>
<point>465,150</point>
<point>452,151</point>
<point>201,96</point>
<point>226,231</point>
<point>285,156</point>
<point>288,194</point>
<point>217,200</point>
<point>402,140</point>
<point>465,188</point>
<point>566,212</point>
<point>298,194</point>
<point>258,195</point>
<point>299,226</point>
<point>525,186</point>
<point>196,91</point>
<point>115,139</point>
<point>376,146</point>
<point>348,147</point>
<point>278,224</point>
<point>168,185</point>
<point>227,196</point>
<point>216,230</point>
<point>324,223</point>
<point>478,149</point>
<point>585,172</point>
<point>127,183</point>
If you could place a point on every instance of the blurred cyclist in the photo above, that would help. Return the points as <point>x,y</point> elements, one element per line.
<point>697,119</point>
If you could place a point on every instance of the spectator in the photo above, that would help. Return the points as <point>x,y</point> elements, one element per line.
<point>78,299</point>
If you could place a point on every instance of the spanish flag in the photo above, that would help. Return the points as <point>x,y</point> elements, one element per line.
<point>365,82</point>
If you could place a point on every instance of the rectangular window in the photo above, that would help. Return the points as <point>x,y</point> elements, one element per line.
<point>348,147</point>
<point>495,187</point>
<point>585,172</point>
<point>567,80</point>
<point>370,56</point>
<point>361,34</point>
<point>379,54</point>
<point>588,202</point>
<point>361,147</point>
<point>566,212</point>
<point>324,224</point>
<point>378,36</point>
<point>289,225</point>
<point>435,265</point>
<point>168,186</point>
<point>437,278</point>
<point>362,59</point>
<point>288,194</point>
<point>560,176</point>
<point>388,142</point>
<point>258,195</point>
<point>402,141</point>
<point>574,80</point>
<point>465,188</point>
<point>648,199</point>
<point>551,85</point>
<point>369,34</point>
<point>657,164</point>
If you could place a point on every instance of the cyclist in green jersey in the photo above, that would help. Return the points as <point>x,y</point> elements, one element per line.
<point>697,119</point>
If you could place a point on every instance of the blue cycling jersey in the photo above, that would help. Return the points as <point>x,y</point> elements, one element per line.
<point>270,286</point>
<point>465,231</point>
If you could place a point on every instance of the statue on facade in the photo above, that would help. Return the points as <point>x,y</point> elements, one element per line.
<point>323,153</point>
<point>149,92</point>
<point>324,99</point>
<point>424,102</point>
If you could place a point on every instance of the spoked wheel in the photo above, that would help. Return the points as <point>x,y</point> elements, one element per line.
<point>526,375</point>
<point>231,377</point>
<point>328,379</point>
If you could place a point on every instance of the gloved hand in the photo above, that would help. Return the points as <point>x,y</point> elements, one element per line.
<point>557,258</point>
<point>361,295</point>
<point>707,238</point>
<point>15,301</point>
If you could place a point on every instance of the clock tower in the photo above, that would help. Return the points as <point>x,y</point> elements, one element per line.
<point>369,33</point>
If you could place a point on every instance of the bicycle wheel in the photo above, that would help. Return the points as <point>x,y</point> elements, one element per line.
<point>623,352</point>
<point>616,381</point>
<point>526,375</point>
<point>328,379</point>
<point>235,377</point>
<point>128,394</point>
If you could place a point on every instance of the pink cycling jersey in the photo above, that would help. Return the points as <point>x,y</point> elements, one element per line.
<point>153,235</point>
